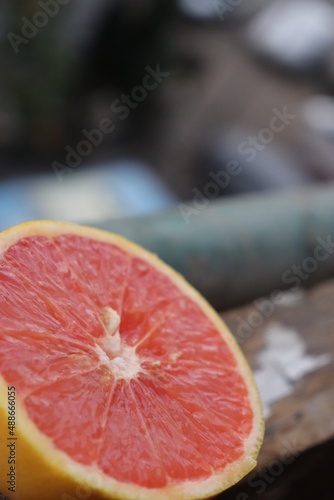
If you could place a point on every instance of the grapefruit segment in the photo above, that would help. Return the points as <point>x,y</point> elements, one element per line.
<point>71,408</point>
<point>41,358</point>
<point>147,300</point>
<point>126,437</point>
<point>120,369</point>
<point>43,269</point>
<point>16,300</point>
<point>103,269</point>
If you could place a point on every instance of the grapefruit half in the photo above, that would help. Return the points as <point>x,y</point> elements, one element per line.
<point>127,384</point>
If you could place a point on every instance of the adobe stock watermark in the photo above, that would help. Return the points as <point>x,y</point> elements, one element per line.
<point>31,27</point>
<point>259,481</point>
<point>249,148</point>
<point>85,491</point>
<point>295,275</point>
<point>219,181</point>
<point>224,7</point>
<point>122,107</point>
<point>279,121</point>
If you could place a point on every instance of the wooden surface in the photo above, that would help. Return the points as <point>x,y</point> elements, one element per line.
<point>300,429</point>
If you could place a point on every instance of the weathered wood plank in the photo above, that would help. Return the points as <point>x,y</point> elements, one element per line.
<point>301,425</point>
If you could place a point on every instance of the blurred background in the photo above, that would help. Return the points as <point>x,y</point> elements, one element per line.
<point>111,108</point>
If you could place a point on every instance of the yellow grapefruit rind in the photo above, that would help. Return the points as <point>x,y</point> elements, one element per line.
<point>45,472</point>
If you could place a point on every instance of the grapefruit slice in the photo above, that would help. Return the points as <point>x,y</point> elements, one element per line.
<point>127,384</point>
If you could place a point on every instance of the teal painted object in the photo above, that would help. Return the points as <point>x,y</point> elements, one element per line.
<point>242,248</point>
